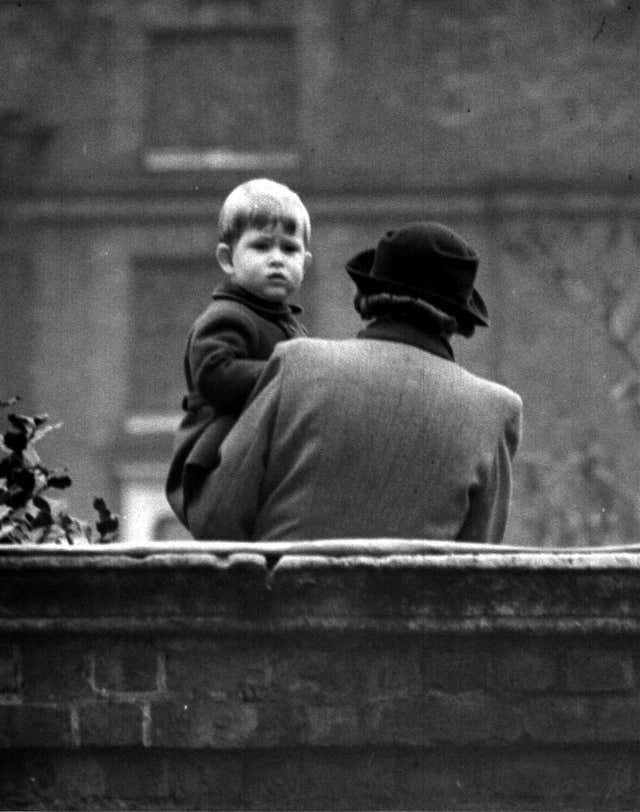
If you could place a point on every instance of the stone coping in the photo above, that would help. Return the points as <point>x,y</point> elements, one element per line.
<point>373,585</point>
<point>150,205</point>
<point>436,553</point>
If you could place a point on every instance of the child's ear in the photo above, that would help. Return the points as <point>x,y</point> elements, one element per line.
<point>224,255</point>
<point>308,259</point>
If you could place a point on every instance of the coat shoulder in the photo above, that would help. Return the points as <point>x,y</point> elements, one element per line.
<point>499,404</point>
<point>496,390</point>
<point>313,356</point>
<point>225,319</point>
<point>224,311</point>
<point>499,407</point>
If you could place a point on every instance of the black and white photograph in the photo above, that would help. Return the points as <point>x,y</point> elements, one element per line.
<point>320,405</point>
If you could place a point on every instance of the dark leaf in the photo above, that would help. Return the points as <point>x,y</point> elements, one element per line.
<point>22,422</point>
<point>16,497</point>
<point>101,506</point>
<point>106,526</point>
<point>24,479</point>
<point>15,440</point>
<point>42,518</point>
<point>59,481</point>
<point>42,504</point>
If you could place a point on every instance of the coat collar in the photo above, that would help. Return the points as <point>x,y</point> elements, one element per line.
<point>234,292</point>
<point>388,329</point>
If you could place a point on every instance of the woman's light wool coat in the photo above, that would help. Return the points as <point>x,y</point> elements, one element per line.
<point>364,438</point>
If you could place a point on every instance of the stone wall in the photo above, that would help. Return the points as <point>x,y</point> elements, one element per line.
<point>355,676</point>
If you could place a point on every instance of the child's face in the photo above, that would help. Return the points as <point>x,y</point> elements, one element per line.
<point>268,262</point>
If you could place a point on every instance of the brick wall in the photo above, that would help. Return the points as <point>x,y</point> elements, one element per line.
<point>182,680</point>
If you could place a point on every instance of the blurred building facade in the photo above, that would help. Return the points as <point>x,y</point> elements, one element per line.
<point>123,124</point>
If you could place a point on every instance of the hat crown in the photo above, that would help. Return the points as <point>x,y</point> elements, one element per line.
<point>427,260</point>
<point>428,257</point>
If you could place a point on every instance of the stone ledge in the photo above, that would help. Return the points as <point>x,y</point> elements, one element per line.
<point>455,552</point>
<point>337,585</point>
<point>153,205</point>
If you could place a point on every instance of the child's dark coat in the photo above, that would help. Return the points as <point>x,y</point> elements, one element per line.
<point>226,351</point>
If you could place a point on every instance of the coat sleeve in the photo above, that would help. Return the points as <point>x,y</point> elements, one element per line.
<point>489,503</point>
<point>226,506</point>
<point>221,357</point>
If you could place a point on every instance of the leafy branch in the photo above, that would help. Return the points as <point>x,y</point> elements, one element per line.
<point>28,513</point>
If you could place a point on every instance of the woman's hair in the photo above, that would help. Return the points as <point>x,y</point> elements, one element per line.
<point>413,310</point>
<point>261,203</point>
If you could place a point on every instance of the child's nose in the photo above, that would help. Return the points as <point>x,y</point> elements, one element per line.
<point>277,255</point>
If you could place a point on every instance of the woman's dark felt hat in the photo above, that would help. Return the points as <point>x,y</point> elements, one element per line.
<point>425,260</point>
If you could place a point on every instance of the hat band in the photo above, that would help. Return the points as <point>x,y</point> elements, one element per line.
<point>460,297</point>
<point>474,305</point>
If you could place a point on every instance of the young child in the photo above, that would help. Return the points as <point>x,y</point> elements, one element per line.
<point>264,233</point>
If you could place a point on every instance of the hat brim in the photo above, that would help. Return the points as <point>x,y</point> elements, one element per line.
<point>358,266</point>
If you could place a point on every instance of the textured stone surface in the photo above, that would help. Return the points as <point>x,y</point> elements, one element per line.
<point>110,724</point>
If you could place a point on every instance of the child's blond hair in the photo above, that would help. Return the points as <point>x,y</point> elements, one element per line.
<point>260,203</point>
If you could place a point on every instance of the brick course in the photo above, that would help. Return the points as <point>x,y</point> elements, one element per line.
<point>9,669</point>
<point>597,668</point>
<point>53,669</point>
<point>35,725</point>
<point>532,670</point>
<point>110,724</point>
<point>126,667</point>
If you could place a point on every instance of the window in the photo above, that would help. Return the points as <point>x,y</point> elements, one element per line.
<point>222,99</point>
